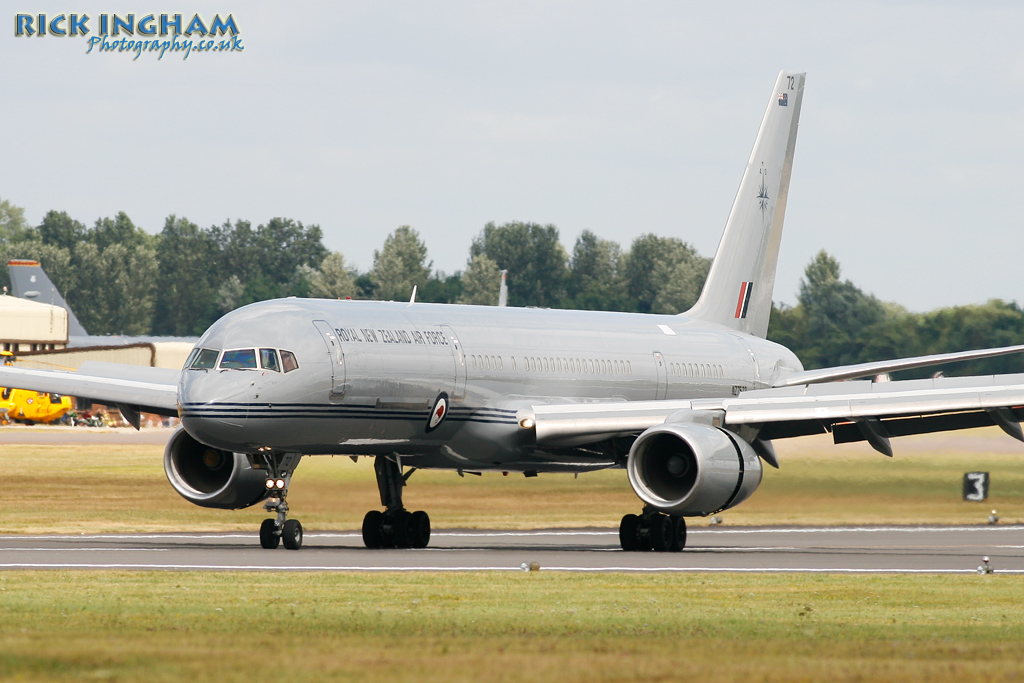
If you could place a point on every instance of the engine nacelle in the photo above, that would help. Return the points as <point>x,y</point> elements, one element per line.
<point>210,477</point>
<point>692,469</point>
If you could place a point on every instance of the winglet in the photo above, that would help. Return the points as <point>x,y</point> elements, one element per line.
<point>738,291</point>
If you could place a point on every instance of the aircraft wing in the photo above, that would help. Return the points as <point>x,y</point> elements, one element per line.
<point>858,370</point>
<point>850,411</point>
<point>131,388</point>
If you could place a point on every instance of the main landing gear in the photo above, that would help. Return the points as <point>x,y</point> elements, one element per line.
<point>396,527</point>
<point>274,530</point>
<point>652,530</point>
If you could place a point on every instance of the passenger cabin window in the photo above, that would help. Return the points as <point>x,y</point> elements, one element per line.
<point>288,362</point>
<point>268,360</point>
<point>205,359</point>
<point>238,359</point>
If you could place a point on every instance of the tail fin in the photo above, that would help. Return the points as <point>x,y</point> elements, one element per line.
<point>738,291</point>
<point>29,281</point>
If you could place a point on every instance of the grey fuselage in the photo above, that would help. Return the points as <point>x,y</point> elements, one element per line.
<point>371,373</point>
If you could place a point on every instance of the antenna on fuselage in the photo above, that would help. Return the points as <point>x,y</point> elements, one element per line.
<point>412,299</point>
<point>503,292</point>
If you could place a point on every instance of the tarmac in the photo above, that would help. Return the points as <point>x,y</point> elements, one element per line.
<point>60,434</point>
<point>835,550</point>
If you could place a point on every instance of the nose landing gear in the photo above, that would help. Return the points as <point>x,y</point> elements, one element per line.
<point>279,475</point>
<point>652,530</point>
<point>396,527</point>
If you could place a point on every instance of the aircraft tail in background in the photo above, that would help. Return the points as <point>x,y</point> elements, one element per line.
<point>738,291</point>
<point>29,281</point>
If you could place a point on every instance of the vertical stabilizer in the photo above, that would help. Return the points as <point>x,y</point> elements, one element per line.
<point>29,281</point>
<point>738,291</point>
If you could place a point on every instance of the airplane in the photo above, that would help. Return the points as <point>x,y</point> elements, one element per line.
<point>30,281</point>
<point>687,404</point>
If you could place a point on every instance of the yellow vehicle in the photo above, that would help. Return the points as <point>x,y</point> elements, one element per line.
<point>22,405</point>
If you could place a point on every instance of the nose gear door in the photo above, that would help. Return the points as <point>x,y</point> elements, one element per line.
<point>336,355</point>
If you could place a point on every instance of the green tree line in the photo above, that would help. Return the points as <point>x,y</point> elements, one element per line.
<point>120,279</point>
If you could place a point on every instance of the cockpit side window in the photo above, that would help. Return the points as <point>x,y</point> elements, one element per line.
<point>268,360</point>
<point>203,359</point>
<point>288,361</point>
<point>238,359</point>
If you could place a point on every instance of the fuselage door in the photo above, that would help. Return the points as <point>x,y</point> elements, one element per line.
<point>337,356</point>
<point>460,362</point>
<point>659,366</point>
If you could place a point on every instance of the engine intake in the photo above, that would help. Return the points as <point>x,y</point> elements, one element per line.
<point>692,469</point>
<point>210,477</point>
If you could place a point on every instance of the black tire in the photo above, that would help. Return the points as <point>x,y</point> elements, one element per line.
<point>373,529</point>
<point>678,534</point>
<point>629,533</point>
<point>419,529</point>
<point>292,534</point>
<point>268,539</point>
<point>661,533</point>
<point>400,529</point>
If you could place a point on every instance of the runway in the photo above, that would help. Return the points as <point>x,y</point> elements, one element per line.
<point>939,550</point>
<point>61,435</point>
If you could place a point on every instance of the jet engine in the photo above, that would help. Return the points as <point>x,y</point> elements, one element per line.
<point>692,469</point>
<point>212,478</point>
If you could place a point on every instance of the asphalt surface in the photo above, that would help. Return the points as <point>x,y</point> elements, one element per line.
<point>789,549</point>
<point>59,434</point>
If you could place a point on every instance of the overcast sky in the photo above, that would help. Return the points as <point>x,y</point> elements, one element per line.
<point>620,118</point>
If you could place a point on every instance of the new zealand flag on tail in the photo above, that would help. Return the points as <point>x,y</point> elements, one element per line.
<point>744,301</point>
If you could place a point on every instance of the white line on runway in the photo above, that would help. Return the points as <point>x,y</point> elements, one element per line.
<point>527,534</point>
<point>86,550</point>
<point>646,570</point>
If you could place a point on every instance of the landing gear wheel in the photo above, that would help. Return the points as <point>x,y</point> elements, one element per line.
<point>400,537</point>
<point>662,533</point>
<point>629,533</point>
<point>418,529</point>
<point>679,534</point>
<point>268,535</point>
<point>292,534</point>
<point>373,531</point>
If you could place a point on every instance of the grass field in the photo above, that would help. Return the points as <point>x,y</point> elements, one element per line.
<point>158,626</point>
<point>122,488</point>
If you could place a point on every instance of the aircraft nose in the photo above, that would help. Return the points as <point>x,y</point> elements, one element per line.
<point>214,406</point>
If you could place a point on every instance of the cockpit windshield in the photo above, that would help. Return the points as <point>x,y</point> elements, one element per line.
<point>238,359</point>
<point>275,360</point>
<point>268,360</point>
<point>203,359</point>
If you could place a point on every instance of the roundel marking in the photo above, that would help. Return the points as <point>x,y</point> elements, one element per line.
<point>438,412</point>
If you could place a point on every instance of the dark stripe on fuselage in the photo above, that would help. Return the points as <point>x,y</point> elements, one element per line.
<point>360,412</point>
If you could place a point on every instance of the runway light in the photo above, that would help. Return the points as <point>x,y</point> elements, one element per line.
<point>985,567</point>
<point>993,518</point>
<point>280,483</point>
